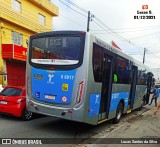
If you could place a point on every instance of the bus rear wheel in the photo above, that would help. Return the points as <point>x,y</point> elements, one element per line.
<point>119,113</point>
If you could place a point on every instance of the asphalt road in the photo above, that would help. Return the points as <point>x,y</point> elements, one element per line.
<point>51,127</point>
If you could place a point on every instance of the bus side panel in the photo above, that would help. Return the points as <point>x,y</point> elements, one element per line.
<point>140,92</point>
<point>94,105</point>
<point>119,92</point>
<point>91,104</point>
<point>117,97</point>
<point>80,109</point>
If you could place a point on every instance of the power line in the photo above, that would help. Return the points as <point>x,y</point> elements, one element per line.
<point>73,9</point>
<point>70,20</point>
<point>100,26</point>
<point>154,54</point>
<point>105,27</point>
<point>149,52</point>
<point>111,31</point>
<point>114,33</point>
<point>101,31</point>
<point>117,34</point>
<point>149,27</point>
<point>144,36</point>
<point>80,8</point>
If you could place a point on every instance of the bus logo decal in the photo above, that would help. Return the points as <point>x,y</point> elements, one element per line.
<point>38,76</point>
<point>97,102</point>
<point>94,105</point>
<point>50,76</point>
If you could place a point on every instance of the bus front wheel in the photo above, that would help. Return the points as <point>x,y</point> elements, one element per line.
<point>119,113</point>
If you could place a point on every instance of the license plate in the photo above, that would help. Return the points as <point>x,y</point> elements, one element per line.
<point>3,102</point>
<point>51,97</point>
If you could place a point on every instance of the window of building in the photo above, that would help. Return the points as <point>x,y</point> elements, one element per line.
<point>17,38</point>
<point>16,5</point>
<point>41,19</point>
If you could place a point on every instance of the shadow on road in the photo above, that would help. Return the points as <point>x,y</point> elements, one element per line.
<point>51,127</point>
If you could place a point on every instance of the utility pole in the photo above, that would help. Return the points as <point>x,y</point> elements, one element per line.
<point>145,50</point>
<point>88,21</point>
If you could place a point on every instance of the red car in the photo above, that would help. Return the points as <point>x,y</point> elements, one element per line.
<point>13,102</point>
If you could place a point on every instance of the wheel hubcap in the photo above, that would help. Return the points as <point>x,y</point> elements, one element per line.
<point>119,114</point>
<point>28,114</point>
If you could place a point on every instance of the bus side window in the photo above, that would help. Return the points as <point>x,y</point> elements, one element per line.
<point>142,78</point>
<point>122,71</point>
<point>115,78</point>
<point>97,59</point>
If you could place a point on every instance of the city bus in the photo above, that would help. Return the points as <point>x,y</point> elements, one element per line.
<point>76,76</point>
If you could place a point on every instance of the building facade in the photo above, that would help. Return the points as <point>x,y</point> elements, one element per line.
<point>18,20</point>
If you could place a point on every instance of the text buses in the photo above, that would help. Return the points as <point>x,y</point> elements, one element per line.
<point>76,76</point>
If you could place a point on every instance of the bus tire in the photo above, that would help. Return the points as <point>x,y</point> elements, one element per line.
<point>119,113</point>
<point>26,115</point>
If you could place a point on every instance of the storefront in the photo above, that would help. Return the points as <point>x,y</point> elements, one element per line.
<point>14,57</point>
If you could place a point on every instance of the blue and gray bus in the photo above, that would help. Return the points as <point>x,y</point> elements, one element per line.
<point>76,76</point>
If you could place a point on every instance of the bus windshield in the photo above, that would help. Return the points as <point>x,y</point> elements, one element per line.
<point>56,50</point>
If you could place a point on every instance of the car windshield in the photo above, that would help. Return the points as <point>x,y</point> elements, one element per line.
<point>11,92</point>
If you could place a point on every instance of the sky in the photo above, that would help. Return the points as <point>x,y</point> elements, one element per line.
<point>113,20</point>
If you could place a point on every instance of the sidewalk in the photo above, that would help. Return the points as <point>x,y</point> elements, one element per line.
<point>143,125</point>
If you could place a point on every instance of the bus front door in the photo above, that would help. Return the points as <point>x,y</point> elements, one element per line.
<point>107,78</point>
<point>133,87</point>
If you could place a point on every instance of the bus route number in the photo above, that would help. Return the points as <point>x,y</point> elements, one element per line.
<point>67,77</point>
<point>55,42</point>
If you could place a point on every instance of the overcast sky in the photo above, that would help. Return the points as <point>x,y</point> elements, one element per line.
<point>118,17</point>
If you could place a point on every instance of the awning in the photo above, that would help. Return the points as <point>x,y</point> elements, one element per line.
<point>2,73</point>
